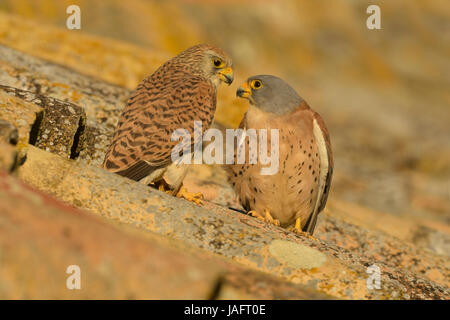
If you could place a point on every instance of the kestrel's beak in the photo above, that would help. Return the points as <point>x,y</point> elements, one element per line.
<point>244,91</point>
<point>226,75</point>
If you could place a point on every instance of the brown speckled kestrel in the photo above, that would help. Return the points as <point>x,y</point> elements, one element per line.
<point>298,191</point>
<point>181,91</point>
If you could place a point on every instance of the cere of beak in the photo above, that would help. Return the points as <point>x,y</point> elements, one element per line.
<point>227,75</point>
<point>244,91</point>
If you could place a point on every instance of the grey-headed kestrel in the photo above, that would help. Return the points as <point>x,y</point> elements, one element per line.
<point>179,92</point>
<point>298,191</point>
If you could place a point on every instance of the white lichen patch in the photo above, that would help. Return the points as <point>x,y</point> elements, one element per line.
<point>296,255</point>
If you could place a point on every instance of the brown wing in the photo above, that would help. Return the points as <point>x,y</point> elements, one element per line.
<point>162,103</point>
<point>311,224</point>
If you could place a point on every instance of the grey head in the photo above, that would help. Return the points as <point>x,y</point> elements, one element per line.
<point>270,94</point>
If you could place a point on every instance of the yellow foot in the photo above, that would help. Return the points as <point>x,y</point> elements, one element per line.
<point>190,196</point>
<point>267,217</point>
<point>164,187</point>
<point>256,215</point>
<point>298,229</point>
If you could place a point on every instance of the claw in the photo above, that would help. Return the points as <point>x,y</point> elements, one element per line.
<point>270,219</point>
<point>267,217</point>
<point>255,214</point>
<point>298,229</point>
<point>190,196</point>
<point>163,186</point>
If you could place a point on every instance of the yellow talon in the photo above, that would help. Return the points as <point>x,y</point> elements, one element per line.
<point>190,196</point>
<point>267,217</point>
<point>163,186</point>
<point>255,214</point>
<point>270,219</point>
<point>298,229</point>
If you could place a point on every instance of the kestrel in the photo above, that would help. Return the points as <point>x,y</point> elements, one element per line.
<point>298,191</point>
<point>179,92</point>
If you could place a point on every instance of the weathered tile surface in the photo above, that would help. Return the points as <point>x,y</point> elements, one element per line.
<point>325,266</point>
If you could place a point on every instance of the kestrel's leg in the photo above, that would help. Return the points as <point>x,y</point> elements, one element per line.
<point>268,217</point>
<point>182,192</point>
<point>161,185</point>
<point>298,229</point>
<point>195,197</point>
<point>174,176</point>
<point>298,225</point>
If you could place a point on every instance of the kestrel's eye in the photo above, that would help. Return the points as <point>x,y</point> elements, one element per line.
<point>256,84</point>
<point>217,63</point>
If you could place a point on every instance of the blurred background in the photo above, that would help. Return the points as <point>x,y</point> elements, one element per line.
<point>384,94</point>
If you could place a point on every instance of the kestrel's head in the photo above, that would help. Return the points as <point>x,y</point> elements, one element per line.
<point>209,62</point>
<point>270,94</point>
